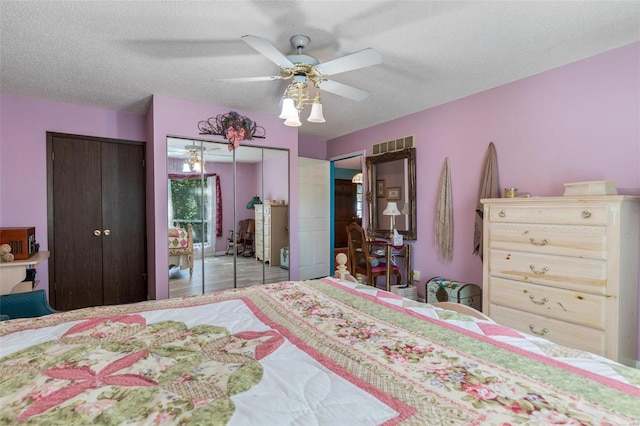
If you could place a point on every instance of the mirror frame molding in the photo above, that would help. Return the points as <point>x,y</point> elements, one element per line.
<point>372,204</point>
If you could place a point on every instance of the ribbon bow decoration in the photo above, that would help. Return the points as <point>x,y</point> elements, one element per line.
<point>234,137</point>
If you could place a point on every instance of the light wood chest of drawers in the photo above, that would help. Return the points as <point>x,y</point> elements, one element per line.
<point>273,220</point>
<point>565,268</point>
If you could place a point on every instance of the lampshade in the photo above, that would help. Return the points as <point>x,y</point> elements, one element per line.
<point>293,121</point>
<point>316,113</point>
<point>405,209</point>
<point>392,209</point>
<point>357,178</point>
<point>255,200</point>
<point>193,166</point>
<point>288,109</point>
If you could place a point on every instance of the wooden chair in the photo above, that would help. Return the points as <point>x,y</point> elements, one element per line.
<point>181,247</point>
<point>247,248</point>
<point>361,259</point>
<point>243,241</point>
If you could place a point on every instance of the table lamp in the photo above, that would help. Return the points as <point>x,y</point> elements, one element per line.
<point>392,210</point>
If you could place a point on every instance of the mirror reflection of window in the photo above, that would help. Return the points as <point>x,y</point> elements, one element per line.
<point>359,204</point>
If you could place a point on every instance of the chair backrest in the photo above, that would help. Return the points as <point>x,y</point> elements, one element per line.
<point>251,226</point>
<point>359,256</point>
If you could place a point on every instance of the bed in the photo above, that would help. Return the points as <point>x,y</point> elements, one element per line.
<point>181,247</point>
<point>319,352</point>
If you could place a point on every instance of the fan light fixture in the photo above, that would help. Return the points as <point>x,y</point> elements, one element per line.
<point>194,164</point>
<point>306,71</point>
<point>357,178</point>
<point>296,96</point>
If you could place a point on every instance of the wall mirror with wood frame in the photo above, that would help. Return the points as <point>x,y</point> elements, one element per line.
<point>391,178</point>
<point>212,192</point>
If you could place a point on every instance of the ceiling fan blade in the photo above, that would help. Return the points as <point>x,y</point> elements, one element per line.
<point>361,59</point>
<point>267,49</point>
<point>343,90</point>
<point>249,79</point>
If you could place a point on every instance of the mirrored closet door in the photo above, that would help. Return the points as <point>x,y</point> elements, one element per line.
<point>228,216</point>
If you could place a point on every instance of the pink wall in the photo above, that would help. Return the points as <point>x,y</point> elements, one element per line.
<point>579,122</point>
<point>23,164</point>
<point>276,173</point>
<point>312,147</point>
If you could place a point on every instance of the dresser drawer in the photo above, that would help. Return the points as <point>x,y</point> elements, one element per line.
<point>566,240</point>
<point>563,333</point>
<point>588,275</point>
<point>565,305</point>
<point>569,214</point>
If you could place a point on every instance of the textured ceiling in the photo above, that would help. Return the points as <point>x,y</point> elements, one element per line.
<point>115,55</point>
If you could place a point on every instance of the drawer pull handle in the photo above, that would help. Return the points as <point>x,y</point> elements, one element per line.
<point>539,271</point>
<point>539,333</point>
<point>536,243</point>
<point>502,213</point>
<point>538,302</point>
<point>586,214</point>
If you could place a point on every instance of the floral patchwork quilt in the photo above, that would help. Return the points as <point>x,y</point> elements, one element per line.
<point>314,352</point>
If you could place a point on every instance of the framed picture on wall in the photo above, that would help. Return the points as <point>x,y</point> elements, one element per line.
<point>380,188</point>
<point>393,193</point>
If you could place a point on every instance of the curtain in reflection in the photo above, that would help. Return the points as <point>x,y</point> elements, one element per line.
<point>218,208</point>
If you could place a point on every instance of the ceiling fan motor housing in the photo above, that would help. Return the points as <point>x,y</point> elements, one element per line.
<point>299,41</point>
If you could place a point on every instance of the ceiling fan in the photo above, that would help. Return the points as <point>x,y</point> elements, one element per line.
<point>305,71</point>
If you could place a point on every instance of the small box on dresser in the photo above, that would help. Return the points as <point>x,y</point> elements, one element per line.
<point>565,268</point>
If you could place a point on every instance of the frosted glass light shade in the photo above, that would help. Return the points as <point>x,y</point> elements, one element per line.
<point>316,113</point>
<point>293,121</point>
<point>288,109</point>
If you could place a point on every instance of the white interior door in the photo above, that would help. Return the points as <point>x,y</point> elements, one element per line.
<point>314,212</point>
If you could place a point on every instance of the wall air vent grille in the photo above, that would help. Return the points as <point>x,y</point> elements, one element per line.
<point>393,145</point>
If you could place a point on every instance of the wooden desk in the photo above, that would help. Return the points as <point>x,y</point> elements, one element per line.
<point>13,273</point>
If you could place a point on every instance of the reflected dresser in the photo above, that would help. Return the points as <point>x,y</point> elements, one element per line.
<point>273,219</point>
<point>565,268</point>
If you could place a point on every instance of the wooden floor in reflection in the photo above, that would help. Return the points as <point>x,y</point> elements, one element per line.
<point>218,275</point>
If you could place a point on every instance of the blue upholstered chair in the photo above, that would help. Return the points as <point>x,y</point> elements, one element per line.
<point>24,305</point>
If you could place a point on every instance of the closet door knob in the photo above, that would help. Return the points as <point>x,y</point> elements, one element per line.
<point>96,232</point>
<point>107,232</point>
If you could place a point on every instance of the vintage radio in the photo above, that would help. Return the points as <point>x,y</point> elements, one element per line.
<point>22,241</point>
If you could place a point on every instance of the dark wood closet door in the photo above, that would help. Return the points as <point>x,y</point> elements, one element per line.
<point>76,252</point>
<point>124,257</point>
<point>96,222</point>
<point>345,210</point>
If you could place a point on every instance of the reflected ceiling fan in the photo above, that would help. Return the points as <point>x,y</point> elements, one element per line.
<point>194,157</point>
<point>306,71</point>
